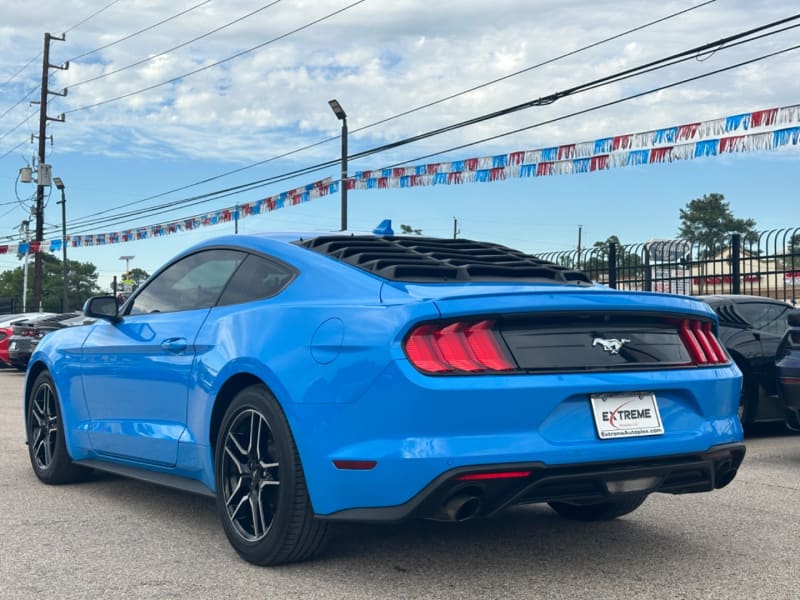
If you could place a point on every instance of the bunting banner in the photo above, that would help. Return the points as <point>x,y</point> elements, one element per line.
<point>225,215</point>
<point>747,132</point>
<point>712,138</point>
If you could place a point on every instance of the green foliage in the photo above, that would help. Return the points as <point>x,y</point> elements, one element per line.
<point>81,283</point>
<point>409,230</point>
<point>137,276</point>
<point>597,262</point>
<point>709,222</point>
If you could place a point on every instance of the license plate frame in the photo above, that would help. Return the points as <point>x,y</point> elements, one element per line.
<point>626,415</point>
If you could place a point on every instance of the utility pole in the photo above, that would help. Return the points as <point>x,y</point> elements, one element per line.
<point>455,228</point>
<point>24,229</point>
<point>43,178</point>
<point>580,231</point>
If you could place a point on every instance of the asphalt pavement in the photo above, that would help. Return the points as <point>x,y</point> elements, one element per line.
<point>116,538</point>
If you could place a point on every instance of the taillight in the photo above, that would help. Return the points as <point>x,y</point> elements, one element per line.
<point>701,343</point>
<point>459,347</point>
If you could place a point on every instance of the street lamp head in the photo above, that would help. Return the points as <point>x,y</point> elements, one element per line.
<point>337,109</point>
<point>59,184</point>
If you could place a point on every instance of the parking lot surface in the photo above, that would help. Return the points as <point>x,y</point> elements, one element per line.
<point>118,538</point>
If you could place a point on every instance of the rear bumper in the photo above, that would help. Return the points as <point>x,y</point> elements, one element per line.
<point>579,483</point>
<point>790,392</point>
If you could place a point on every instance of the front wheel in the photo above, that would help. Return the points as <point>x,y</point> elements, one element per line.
<point>600,511</point>
<point>46,446</point>
<point>261,491</point>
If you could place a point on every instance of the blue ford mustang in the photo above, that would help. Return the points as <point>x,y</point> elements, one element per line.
<point>304,380</point>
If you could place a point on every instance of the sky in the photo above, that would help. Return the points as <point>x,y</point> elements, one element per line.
<point>163,96</point>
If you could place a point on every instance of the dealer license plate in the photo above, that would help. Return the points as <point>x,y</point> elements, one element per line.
<point>626,415</point>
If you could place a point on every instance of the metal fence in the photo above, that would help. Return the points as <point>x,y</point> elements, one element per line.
<point>765,264</point>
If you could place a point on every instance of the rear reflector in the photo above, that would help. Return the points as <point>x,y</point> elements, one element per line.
<point>355,465</point>
<point>496,475</point>
<point>459,347</point>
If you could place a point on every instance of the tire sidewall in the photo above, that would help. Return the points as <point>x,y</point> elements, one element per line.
<point>260,399</point>
<point>60,459</point>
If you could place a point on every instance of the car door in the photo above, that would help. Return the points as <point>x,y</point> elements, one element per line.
<point>137,371</point>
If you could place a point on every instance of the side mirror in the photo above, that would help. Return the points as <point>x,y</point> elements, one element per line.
<point>794,318</point>
<point>102,307</point>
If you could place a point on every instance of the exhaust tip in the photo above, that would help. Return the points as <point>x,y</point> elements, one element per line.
<point>460,507</point>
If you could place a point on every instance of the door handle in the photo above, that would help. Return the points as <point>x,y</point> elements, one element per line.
<point>174,345</point>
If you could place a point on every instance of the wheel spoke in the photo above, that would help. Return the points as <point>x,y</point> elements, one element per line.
<point>250,474</point>
<point>251,441</point>
<point>232,438</point>
<point>233,458</point>
<point>238,506</point>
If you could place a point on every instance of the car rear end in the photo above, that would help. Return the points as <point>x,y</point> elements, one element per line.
<point>536,391</point>
<point>788,369</point>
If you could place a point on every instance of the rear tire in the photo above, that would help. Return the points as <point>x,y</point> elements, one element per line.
<point>600,511</point>
<point>262,498</point>
<point>46,446</point>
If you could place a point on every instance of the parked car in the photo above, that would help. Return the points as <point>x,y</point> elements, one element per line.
<point>788,368</point>
<point>751,328</point>
<point>28,332</point>
<point>307,379</point>
<point>7,330</point>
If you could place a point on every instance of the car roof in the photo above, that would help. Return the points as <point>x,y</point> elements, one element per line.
<point>411,259</point>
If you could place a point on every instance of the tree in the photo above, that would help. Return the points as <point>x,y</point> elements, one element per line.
<point>598,261</point>
<point>709,222</point>
<point>409,230</point>
<point>137,276</point>
<point>81,283</point>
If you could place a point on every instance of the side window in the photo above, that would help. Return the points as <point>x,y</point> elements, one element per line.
<point>764,316</point>
<point>257,278</point>
<point>193,282</point>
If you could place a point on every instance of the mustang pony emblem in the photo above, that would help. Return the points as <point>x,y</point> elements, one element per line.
<point>612,346</point>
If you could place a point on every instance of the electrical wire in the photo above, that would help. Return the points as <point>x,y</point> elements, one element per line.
<point>25,141</point>
<point>20,124</point>
<point>169,50</point>
<point>219,62</point>
<point>92,16</point>
<point>598,106</point>
<point>247,187</point>
<point>139,32</point>
<point>421,107</point>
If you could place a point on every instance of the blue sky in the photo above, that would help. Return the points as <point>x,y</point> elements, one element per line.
<point>381,59</point>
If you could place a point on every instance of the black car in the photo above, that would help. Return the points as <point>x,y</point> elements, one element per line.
<point>28,333</point>
<point>751,329</point>
<point>788,367</point>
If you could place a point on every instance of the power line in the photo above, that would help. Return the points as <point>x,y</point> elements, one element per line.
<point>20,124</point>
<point>598,106</point>
<point>536,66</point>
<point>253,185</point>
<point>418,108</point>
<point>135,33</point>
<point>92,16</point>
<point>25,141</point>
<point>219,62</point>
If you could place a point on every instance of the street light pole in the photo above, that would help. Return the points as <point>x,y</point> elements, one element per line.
<point>65,270</point>
<point>342,116</point>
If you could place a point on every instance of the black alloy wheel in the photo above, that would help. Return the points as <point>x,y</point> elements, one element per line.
<point>261,492</point>
<point>46,445</point>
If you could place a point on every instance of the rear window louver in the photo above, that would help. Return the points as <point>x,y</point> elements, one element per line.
<point>425,260</point>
